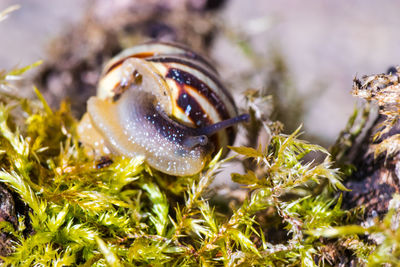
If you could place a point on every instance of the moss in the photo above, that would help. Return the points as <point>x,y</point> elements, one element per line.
<point>127,214</point>
<point>98,213</point>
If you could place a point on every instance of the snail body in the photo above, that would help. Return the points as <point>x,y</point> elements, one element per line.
<point>163,102</point>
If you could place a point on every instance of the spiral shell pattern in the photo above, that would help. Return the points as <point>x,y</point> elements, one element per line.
<point>198,98</point>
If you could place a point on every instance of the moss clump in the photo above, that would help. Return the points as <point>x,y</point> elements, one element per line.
<point>128,214</point>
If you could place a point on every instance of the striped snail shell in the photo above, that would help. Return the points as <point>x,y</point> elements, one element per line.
<point>164,102</point>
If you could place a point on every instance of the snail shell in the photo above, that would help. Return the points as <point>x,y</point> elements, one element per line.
<point>164,102</point>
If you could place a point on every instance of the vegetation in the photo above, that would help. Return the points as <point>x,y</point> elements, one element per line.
<point>81,212</point>
<point>94,212</point>
<point>127,213</point>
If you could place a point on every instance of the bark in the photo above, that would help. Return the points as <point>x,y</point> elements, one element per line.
<point>376,157</point>
<point>375,179</point>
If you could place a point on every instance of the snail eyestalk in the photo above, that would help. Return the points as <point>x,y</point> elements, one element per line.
<point>203,133</point>
<point>214,128</point>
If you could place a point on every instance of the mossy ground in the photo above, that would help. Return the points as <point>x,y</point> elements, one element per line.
<point>90,212</point>
<point>125,213</point>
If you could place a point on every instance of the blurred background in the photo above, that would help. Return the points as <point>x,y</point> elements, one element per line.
<point>305,52</point>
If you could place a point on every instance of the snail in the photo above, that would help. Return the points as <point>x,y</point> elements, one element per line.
<point>164,102</point>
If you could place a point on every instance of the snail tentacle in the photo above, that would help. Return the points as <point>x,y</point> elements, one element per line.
<point>214,128</point>
<point>202,134</point>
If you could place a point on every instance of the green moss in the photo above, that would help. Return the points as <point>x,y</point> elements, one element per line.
<point>128,214</point>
